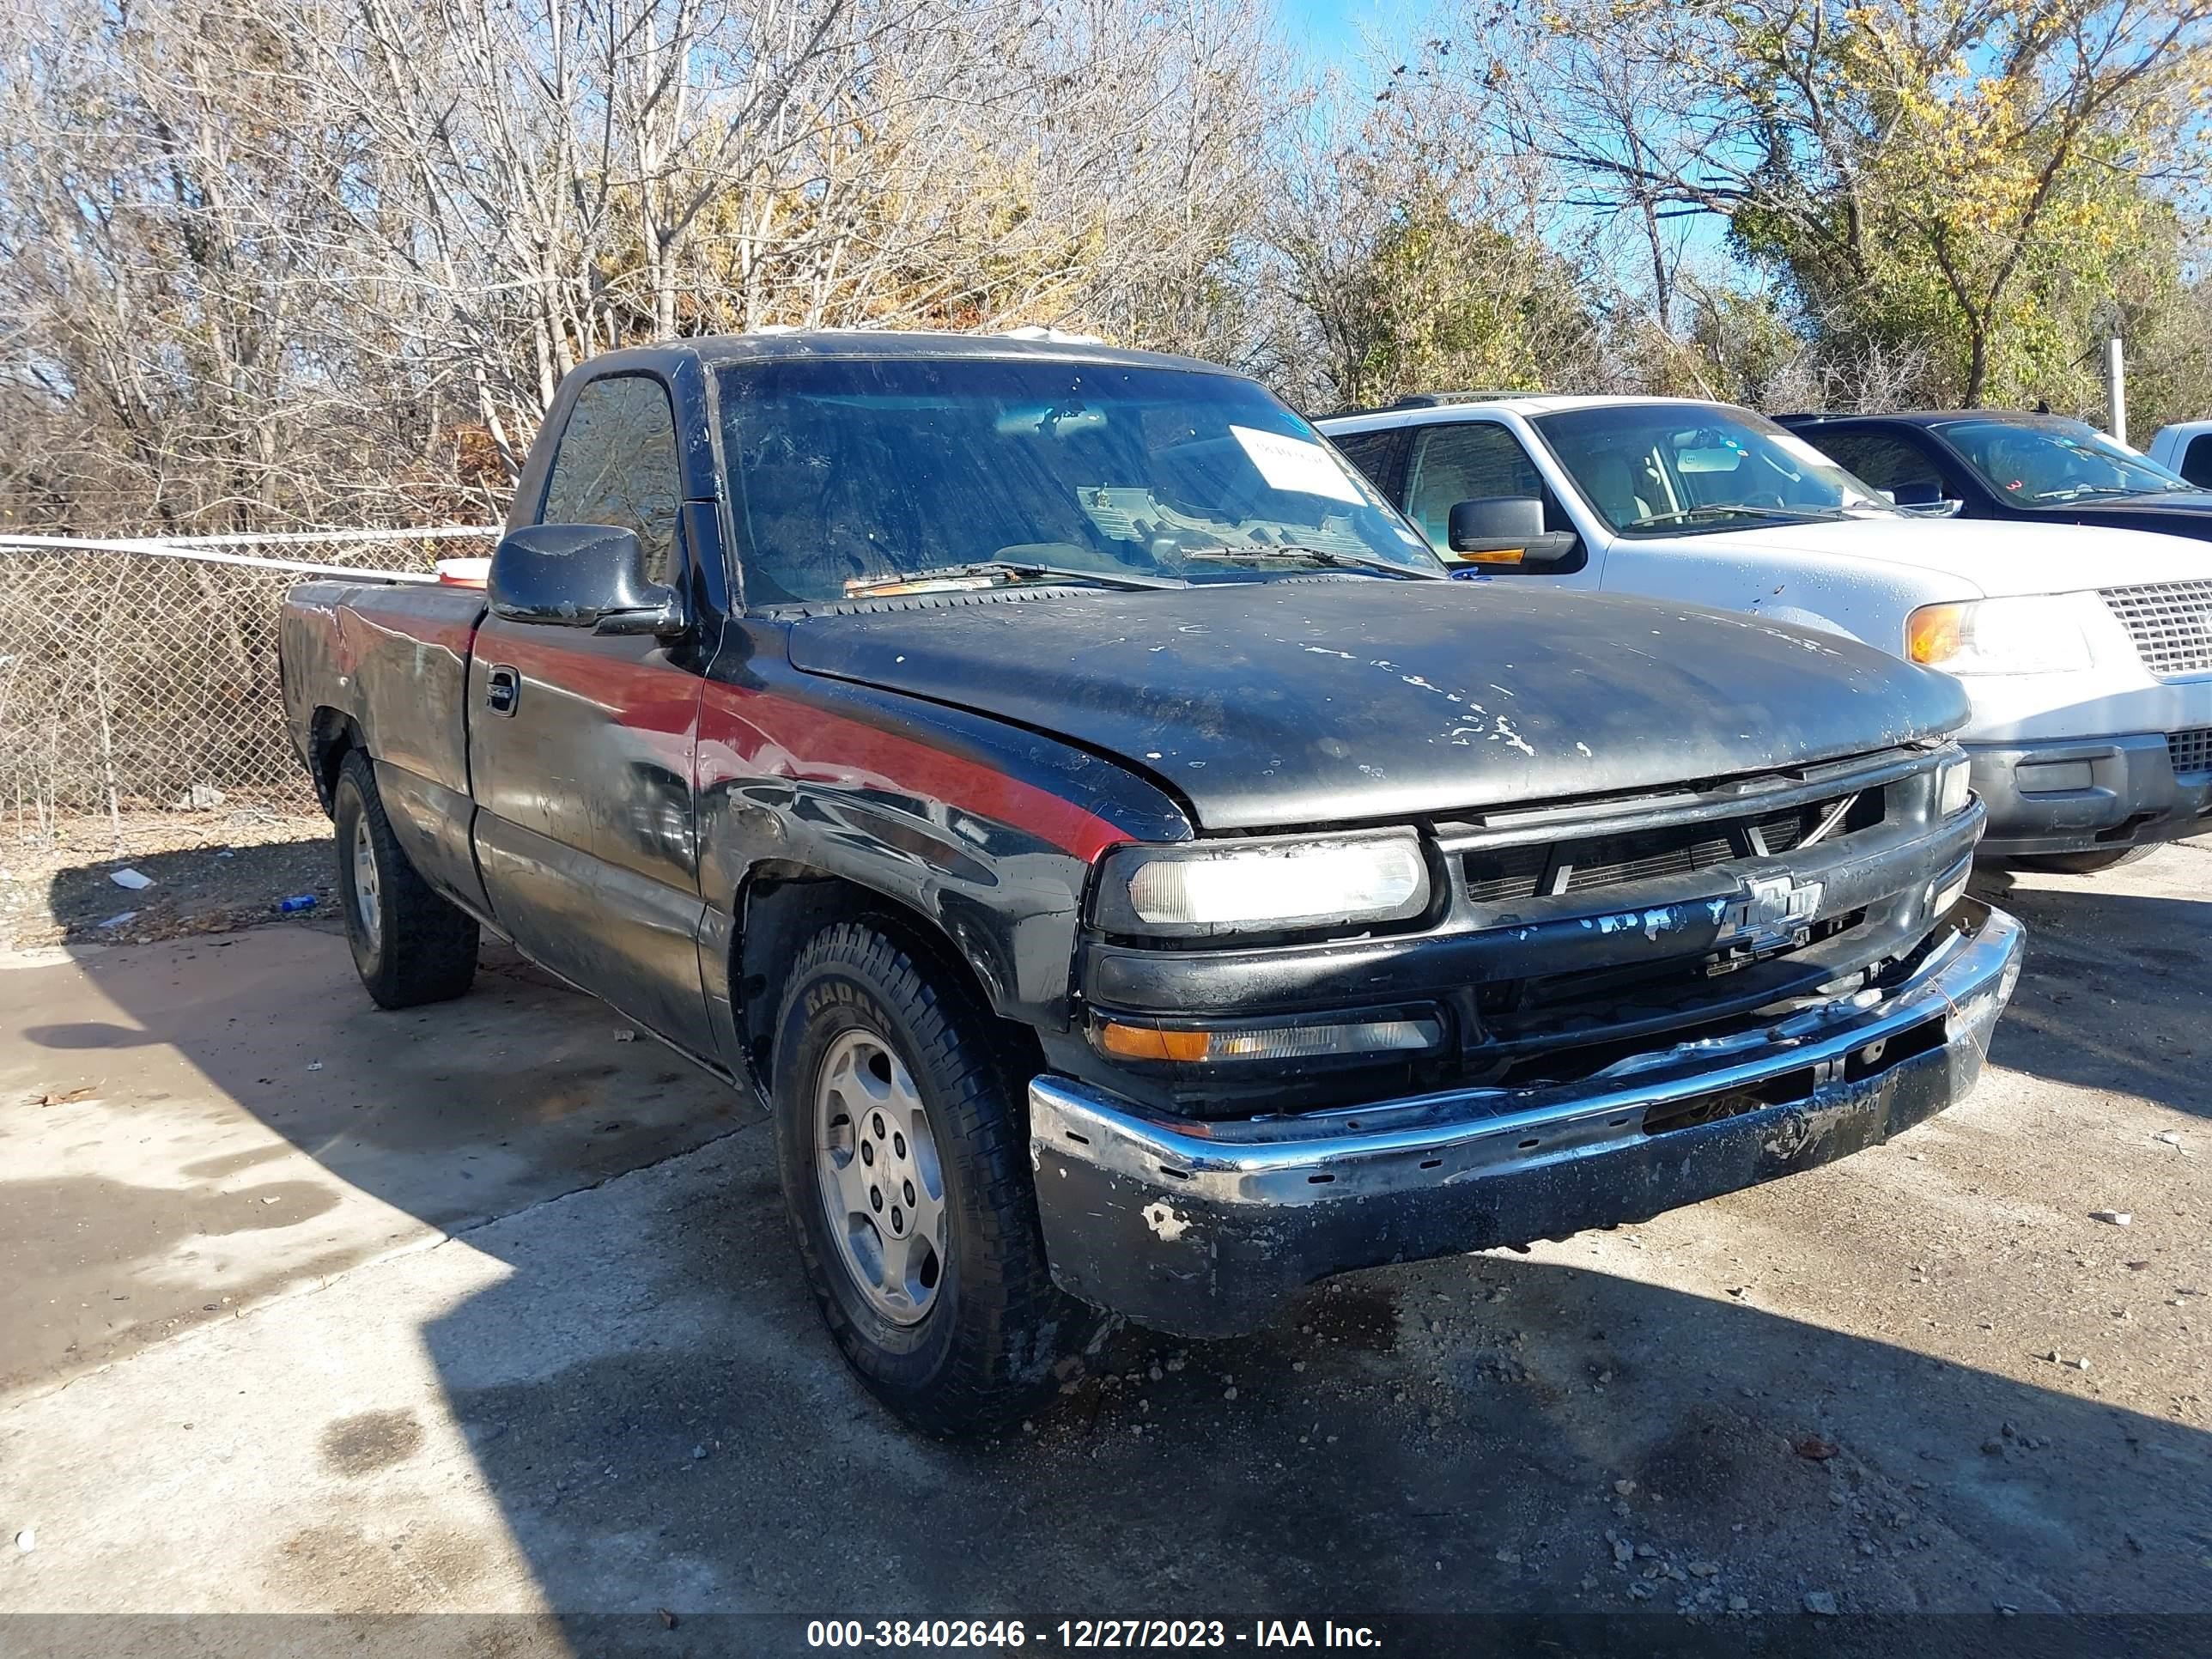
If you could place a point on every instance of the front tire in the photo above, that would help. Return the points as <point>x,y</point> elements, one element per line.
<point>905,1164</point>
<point>410,945</point>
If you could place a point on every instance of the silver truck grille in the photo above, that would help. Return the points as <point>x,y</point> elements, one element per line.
<point>2190,751</point>
<point>1574,866</point>
<point>2171,624</point>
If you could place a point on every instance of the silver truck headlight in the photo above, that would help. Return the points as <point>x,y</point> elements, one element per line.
<point>1273,886</point>
<point>2034,633</point>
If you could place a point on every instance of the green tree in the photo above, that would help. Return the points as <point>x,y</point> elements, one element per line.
<point>1984,183</point>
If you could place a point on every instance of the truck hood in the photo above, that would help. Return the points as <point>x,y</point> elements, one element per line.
<point>2187,515</point>
<point>1268,705</point>
<point>2000,556</point>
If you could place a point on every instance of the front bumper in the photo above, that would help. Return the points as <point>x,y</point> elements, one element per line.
<point>1201,1228</point>
<point>2082,795</point>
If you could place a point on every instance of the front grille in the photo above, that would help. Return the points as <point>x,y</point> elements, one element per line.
<point>1577,867</point>
<point>2171,624</point>
<point>2192,750</point>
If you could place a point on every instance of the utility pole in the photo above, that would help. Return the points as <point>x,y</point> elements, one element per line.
<point>2116,390</point>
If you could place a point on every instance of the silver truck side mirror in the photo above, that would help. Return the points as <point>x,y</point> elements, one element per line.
<point>580,576</point>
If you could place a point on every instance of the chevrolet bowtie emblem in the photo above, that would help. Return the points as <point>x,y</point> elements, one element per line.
<point>1774,911</point>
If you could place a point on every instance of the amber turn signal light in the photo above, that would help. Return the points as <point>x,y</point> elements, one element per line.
<point>1144,1042</point>
<point>1932,633</point>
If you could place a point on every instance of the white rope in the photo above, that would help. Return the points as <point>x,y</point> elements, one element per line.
<point>199,551</point>
<point>484,532</point>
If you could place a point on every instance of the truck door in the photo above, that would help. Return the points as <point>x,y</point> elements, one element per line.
<point>581,746</point>
<point>1465,460</point>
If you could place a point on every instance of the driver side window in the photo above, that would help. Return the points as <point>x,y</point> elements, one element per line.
<point>1872,458</point>
<point>1886,460</point>
<point>616,465</point>
<point>1463,462</point>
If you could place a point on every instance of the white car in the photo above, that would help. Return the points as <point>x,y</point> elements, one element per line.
<point>2086,652</point>
<point>2185,448</point>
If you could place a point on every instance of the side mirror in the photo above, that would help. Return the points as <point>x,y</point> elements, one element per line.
<point>580,576</point>
<point>1508,531</point>
<point>1924,498</point>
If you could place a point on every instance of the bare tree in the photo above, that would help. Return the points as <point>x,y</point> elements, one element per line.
<point>275,262</point>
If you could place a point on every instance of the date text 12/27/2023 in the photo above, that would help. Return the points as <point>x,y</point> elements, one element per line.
<point>1087,1634</point>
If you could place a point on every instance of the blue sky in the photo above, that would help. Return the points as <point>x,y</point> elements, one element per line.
<point>1336,33</point>
<point>1332,28</point>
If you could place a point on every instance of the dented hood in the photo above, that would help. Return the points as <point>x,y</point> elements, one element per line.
<point>1275,704</point>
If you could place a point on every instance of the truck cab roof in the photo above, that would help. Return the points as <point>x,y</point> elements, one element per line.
<point>784,345</point>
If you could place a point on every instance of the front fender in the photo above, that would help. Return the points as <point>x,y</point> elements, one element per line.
<point>985,831</point>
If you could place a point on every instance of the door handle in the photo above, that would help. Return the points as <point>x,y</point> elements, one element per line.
<point>502,688</point>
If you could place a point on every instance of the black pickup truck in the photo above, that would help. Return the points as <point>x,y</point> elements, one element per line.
<point>1135,876</point>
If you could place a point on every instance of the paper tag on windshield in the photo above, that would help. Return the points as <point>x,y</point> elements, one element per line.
<point>1293,464</point>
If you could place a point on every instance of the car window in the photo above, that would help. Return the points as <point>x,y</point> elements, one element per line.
<point>1672,469</point>
<point>1372,452</point>
<point>2043,463</point>
<point>1463,462</point>
<point>616,465</point>
<point>853,474</point>
<point>2196,465</point>
<point>1882,460</point>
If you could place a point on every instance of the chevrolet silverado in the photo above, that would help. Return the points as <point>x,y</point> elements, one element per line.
<point>1136,877</point>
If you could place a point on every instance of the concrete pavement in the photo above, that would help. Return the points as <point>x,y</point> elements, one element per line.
<point>521,1334</point>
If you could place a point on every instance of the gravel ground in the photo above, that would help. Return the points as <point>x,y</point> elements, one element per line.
<point>210,872</point>
<point>487,1309</point>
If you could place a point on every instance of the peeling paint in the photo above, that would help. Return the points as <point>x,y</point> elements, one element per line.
<point>1161,1217</point>
<point>1512,739</point>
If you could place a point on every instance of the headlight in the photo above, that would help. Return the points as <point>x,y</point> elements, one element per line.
<point>1953,785</point>
<point>1263,886</point>
<point>2039,634</point>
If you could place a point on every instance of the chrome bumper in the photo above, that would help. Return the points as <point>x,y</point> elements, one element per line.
<point>1201,1228</point>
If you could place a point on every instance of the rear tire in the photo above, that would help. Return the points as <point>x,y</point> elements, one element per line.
<point>410,945</point>
<point>904,1155</point>
<point>2085,864</point>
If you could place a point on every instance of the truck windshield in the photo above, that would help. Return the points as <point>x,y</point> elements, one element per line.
<point>1654,469</point>
<point>2055,461</point>
<point>850,475</point>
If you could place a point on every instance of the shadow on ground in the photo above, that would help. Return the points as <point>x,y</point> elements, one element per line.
<point>1487,1434</point>
<point>194,890</point>
<point>665,1424</point>
<point>2114,992</point>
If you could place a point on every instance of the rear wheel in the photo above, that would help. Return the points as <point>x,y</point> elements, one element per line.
<point>2085,864</point>
<point>905,1166</point>
<point>410,944</point>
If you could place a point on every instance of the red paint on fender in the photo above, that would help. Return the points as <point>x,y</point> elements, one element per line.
<point>750,734</point>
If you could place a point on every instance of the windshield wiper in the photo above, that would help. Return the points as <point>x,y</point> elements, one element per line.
<point>1710,508</point>
<point>1323,555</point>
<point>2079,490</point>
<point>1018,567</point>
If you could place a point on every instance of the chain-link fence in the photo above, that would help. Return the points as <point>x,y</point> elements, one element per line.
<point>139,680</point>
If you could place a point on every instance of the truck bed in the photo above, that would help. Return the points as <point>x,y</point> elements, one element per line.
<point>394,658</point>
<point>391,658</point>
